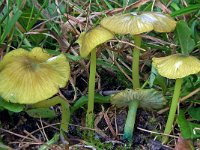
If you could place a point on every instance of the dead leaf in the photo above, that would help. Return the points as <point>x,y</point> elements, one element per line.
<point>183,144</point>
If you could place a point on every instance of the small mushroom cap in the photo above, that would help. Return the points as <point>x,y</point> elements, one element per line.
<point>176,66</point>
<point>30,77</point>
<point>148,98</point>
<point>136,23</point>
<point>91,39</point>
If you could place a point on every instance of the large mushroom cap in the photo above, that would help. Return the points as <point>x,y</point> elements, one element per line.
<point>137,23</point>
<point>91,39</point>
<point>176,66</point>
<point>30,77</point>
<point>148,98</point>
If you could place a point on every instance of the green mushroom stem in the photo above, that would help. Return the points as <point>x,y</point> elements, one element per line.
<point>64,108</point>
<point>132,110</point>
<point>135,62</point>
<point>173,107</point>
<point>91,89</point>
<point>84,100</point>
<point>130,121</point>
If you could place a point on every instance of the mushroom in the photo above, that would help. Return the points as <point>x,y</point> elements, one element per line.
<point>88,42</point>
<point>145,98</point>
<point>29,77</point>
<point>177,67</point>
<point>135,24</point>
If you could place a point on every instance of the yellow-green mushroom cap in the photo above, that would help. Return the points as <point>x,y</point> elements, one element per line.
<point>137,23</point>
<point>176,66</point>
<point>148,98</point>
<point>91,39</point>
<point>29,77</point>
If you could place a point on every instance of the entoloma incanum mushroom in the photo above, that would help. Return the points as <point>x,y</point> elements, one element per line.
<point>177,67</point>
<point>136,24</point>
<point>88,42</point>
<point>145,98</point>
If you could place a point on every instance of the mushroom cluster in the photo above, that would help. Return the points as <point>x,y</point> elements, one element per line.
<point>131,23</point>
<point>136,24</point>
<point>31,77</point>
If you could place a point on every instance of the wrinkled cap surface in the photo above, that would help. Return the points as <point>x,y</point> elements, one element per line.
<point>176,66</point>
<point>148,98</point>
<point>92,38</point>
<point>137,23</point>
<point>29,77</point>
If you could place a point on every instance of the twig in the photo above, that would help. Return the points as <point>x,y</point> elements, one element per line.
<point>109,92</point>
<point>109,123</point>
<point>51,125</point>
<point>128,43</point>
<point>157,40</point>
<point>42,128</point>
<point>120,68</point>
<point>31,135</point>
<point>134,5</point>
<point>153,132</point>
<point>181,100</point>
<point>4,130</point>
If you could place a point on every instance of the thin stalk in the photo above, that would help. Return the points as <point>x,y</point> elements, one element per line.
<point>64,106</point>
<point>172,112</point>
<point>91,88</point>
<point>130,120</point>
<point>135,62</point>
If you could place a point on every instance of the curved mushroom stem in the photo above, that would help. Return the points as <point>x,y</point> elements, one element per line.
<point>130,121</point>
<point>64,106</point>
<point>84,100</point>
<point>173,107</point>
<point>91,88</point>
<point>135,62</point>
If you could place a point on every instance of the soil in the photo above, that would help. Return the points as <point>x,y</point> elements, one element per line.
<point>22,124</point>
